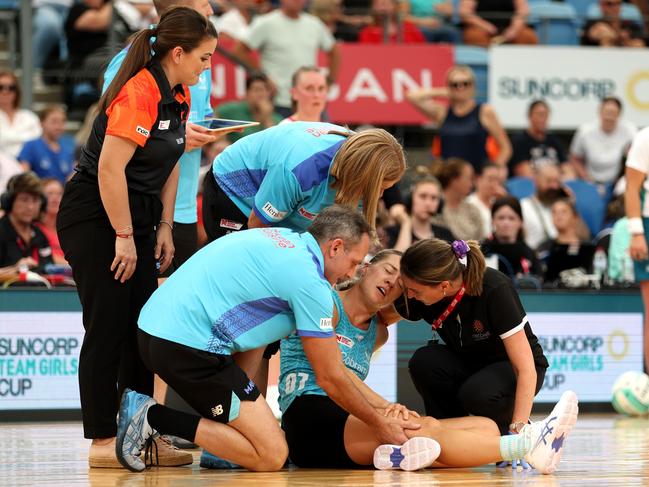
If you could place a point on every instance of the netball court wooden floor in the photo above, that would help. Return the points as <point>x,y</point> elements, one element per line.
<point>603,450</point>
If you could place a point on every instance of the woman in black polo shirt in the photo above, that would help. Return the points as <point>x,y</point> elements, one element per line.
<point>114,222</point>
<point>490,363</point>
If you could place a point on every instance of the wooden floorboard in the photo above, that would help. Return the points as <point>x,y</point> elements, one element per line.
<point>603,450</point>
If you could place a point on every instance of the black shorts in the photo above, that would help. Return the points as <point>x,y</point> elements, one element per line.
<point>212,384</point>
<point>220,215</point>
<point>185,237</point>
<point>315,433</point>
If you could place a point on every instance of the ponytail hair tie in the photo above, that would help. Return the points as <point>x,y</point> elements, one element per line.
<point>153,28</point>
<point>461,249</point>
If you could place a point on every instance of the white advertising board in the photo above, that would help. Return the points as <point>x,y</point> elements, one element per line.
<point>587,352</point>
<point>39,360</point>
<point>39,355</point>
<point>572,80</point>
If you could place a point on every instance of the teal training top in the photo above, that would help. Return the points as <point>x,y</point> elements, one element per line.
<point>243,291</point>
<point>281,173</point>
<point>296,376</point>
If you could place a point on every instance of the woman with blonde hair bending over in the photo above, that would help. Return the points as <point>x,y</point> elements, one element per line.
<point>285,175</point>
<point>490,364</point>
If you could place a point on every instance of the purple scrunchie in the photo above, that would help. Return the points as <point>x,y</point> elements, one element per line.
<point>460,249</point>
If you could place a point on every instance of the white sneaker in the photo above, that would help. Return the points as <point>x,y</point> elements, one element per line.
<point>416,453</point>
<point>548,436</point>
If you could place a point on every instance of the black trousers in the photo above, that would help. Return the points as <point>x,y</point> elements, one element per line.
<point>451,387</point>
<point>220,215</point>
<point>185,236</point>
<point>110,359</point>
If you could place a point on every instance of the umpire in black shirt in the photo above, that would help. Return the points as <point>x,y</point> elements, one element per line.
<point>490,363</point>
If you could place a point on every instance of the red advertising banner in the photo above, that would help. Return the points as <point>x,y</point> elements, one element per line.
<point>372,83</point>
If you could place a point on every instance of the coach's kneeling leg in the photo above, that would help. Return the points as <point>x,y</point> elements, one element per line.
<point>253,440</point>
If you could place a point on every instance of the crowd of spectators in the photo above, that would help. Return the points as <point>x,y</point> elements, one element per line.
<point>520,194</point>
<point>74,35</point>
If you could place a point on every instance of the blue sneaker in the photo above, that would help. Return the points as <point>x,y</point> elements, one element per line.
<point>133,429</point>
<point>212,461</point>
<point>416,453</point>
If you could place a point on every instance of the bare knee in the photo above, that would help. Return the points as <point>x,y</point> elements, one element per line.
<point>271,458</point>
<point>526,36</point>
<point>476,36</point>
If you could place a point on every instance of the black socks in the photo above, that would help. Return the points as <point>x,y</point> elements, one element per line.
<point>167,421</point>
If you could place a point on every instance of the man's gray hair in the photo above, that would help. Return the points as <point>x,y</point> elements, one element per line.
<point>342,222</point>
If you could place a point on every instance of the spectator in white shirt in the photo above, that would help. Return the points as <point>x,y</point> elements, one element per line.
<point>287,38</point>
<point>235,22</point>
<point>537,213</point>
<point>17,125</point>
<point>598,147</point>
<point>488,188</point>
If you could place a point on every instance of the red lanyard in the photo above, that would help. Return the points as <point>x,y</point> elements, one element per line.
<point>451,306</point>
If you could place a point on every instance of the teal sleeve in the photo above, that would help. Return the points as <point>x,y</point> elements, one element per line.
<point>113,68</point>
<point>313,306</point>
<point>278,195</point>
<point>209,112</point>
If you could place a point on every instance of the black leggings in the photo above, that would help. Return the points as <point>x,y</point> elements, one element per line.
<point>451,388</point>
<point>109,360</point>
<point>315,433</point>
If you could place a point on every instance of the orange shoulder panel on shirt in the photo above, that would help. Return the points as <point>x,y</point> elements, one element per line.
<point>134,110</point>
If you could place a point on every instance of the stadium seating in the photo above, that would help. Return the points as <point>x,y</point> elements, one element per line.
<point>8,24</point>
<point>582,6</point>
<point>555,23</point>
<point>629,12</point>
<point>590,204</point>
<point>520,187</point>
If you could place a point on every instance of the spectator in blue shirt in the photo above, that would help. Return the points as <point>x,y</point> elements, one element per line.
<point>49,156</point>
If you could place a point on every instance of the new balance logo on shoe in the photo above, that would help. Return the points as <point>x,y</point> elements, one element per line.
<point>217,410</point>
